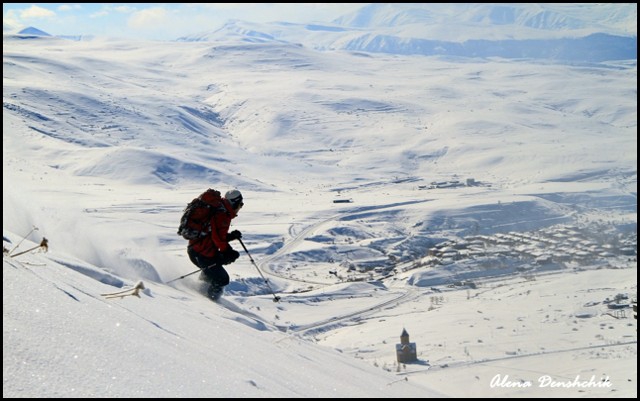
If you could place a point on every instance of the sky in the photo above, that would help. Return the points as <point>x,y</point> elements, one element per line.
<point>487,207</point>
<point>159,21</point>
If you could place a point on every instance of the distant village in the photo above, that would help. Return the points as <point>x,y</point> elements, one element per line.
<point>554,244</point>
<point>557,246</point>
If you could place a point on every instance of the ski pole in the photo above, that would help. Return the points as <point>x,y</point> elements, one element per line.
<point>23,238</point>
<point>181,277</point>
<point>44,244</point>
<point>275,297</point>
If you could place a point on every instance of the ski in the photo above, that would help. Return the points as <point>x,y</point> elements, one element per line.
<point>135,291</point>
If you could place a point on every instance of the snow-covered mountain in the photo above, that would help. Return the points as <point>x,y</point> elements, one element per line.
<point>578,33</point>
<point>606,18</point>
<point>32,31</point>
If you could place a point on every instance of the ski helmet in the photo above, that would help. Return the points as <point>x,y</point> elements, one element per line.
<point>235,198</point>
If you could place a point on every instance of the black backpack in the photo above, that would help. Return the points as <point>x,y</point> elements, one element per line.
<point>196,218</point>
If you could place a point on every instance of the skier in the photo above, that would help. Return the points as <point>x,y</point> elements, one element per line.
<point>212,252</point>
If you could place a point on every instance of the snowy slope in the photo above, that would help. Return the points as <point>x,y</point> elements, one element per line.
<point>509,189</point>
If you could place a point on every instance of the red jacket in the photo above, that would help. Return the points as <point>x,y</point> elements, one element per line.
<point>217,241</point>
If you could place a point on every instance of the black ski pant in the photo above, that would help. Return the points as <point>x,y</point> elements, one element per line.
<point>212,269</point>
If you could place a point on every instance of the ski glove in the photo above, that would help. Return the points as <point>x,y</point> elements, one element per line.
<point>229,256</point>
<point>235,234</point>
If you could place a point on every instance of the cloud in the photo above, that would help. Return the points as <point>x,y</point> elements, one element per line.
<point>17,18</point>
<point>10,21</point>
<point>69,7</point>
<point>107,11</point>
<point>36,12</point>
<point>98,14</point>
<point>269,12</point>
<point>124,9</point>
<point>148,18</point>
